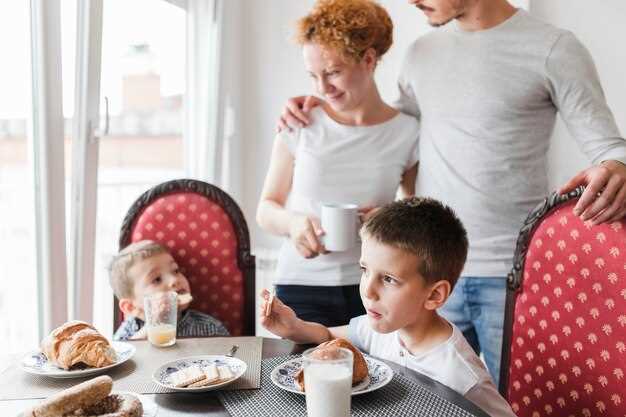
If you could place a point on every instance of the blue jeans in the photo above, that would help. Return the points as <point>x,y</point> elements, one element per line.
<point>476,307</point>
<point>330,306</point>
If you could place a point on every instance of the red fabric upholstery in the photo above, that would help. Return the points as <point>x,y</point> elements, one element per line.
<point>200,236</point>
<point>568,344</point>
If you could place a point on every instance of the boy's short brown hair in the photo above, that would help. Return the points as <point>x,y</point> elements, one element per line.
<point>426,228</point>
<point>121,283</point>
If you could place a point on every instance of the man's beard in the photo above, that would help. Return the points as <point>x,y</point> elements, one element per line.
<point>439,24</point>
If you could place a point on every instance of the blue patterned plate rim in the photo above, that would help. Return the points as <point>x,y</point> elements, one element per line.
<point>161,375</point>
<point>35,362</point>
<point>380,374</point>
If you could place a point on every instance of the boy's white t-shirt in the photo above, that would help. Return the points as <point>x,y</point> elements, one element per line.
<point>452,363</point>
<point>336,163</point>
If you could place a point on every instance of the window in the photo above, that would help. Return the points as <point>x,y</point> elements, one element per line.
<point>135,56</point>
<point>143,77</point>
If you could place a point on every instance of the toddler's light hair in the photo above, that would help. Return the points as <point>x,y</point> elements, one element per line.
<point>121,283</point>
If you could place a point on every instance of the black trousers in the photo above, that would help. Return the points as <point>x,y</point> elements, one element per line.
<point>330,306</point>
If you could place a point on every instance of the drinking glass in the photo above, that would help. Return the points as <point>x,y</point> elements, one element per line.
<point>327,381</point>
<point>161,314</point>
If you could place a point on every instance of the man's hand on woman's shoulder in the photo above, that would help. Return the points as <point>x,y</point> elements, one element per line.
<point>296,112</point>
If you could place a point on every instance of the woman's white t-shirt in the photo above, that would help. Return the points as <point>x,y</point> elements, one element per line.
<point>335,163</point>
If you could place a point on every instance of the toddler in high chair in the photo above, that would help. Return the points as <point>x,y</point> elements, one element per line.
<point>413,252</point>
<point>146,268</point>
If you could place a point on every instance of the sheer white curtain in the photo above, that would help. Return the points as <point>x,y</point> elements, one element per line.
<point>204,99</point>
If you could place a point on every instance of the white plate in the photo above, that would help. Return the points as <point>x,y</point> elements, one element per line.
<point>380,374</point>
<point>36,363</point>
<point>161,375</point>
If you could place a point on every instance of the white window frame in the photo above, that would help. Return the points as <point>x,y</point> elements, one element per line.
<point>46,129</point>
<point>85,157</point>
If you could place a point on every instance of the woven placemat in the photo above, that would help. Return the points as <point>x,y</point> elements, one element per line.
<point>401,397</point>
<point>136,374</point>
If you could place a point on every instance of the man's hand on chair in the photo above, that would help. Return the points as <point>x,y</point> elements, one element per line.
<point>604,199</point>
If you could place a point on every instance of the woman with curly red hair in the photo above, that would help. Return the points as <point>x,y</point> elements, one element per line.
<point>357,150</point>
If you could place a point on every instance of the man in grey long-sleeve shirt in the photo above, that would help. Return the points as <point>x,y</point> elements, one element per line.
<point>486,88</point>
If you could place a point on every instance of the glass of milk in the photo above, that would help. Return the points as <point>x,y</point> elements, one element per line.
<point>327,381</point>
<point>161,314</point>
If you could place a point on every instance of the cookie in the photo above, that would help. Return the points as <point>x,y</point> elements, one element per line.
<point>225,373</point>
<point>186,376</point>
<point>211,376</point>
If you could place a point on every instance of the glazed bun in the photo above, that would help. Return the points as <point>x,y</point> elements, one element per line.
<point>329,351</point>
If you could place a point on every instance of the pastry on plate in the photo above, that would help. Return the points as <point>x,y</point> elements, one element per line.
<point>90,398</point>
<point>77,342</point>
<point>326,350</point>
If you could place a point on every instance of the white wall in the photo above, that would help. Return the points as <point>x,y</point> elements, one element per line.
<point>272,71</point>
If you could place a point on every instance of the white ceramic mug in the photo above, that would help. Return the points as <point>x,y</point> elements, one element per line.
<point>340,223</point>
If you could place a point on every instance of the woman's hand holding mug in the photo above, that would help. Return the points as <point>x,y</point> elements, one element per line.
<point>305,232</point>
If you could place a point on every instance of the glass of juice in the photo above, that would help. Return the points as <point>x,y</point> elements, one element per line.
<point>161,314</point>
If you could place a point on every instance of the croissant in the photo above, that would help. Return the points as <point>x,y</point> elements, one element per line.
<point>359,367</point>
<point>77,342</point>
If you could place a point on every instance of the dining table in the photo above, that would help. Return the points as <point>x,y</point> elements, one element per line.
<point>208,404</point>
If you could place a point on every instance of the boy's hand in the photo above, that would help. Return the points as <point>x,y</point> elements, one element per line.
<point>278,318</point>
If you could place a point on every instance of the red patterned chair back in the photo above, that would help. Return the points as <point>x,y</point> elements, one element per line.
<point>564,348</point>
<point>207,235</point>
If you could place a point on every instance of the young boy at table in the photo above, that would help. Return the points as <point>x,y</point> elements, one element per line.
<point>146,268</point>
<point>413,252</point>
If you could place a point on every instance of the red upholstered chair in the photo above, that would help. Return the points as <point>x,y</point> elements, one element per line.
<point>564,349</point>
<point>206,233</point>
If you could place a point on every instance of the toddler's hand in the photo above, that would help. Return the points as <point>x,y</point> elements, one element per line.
<point>184,300</point>
<point>304,232</point>
<point>277,318</point>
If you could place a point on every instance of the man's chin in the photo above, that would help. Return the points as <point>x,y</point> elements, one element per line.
<point>437,24</point>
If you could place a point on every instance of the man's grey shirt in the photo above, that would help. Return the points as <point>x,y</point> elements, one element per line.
<point>487,103</point>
